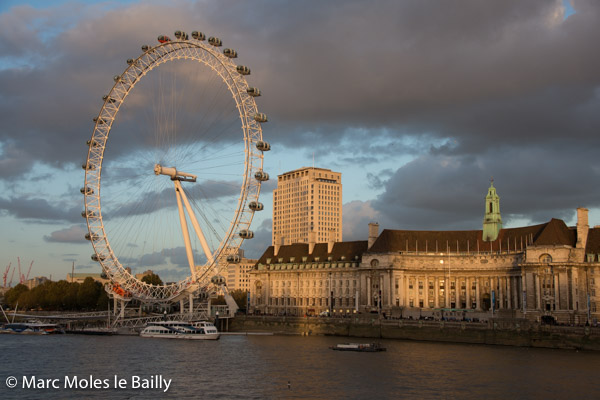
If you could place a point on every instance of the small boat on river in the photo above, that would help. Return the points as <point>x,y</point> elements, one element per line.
<point>202,330</point>
<point>365,347</point>
<point>32,328</point>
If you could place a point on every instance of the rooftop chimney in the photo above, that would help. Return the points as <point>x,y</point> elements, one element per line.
<point>330,241</point>
<point>373,233</point>
<point>312,239</point>
<point>582,227</point>
<point>279,241</point>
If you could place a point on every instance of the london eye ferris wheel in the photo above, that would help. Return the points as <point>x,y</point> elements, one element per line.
<point>176,186</point>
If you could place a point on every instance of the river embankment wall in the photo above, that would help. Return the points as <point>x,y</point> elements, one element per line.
<point>512,332</point>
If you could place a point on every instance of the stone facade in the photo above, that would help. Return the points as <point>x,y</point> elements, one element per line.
<point>547,272</point>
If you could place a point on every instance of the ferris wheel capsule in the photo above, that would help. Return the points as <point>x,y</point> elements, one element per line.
<point>198,35</point>
<point>256,206</point>
<point>215,41</point>
<point>88,167</point>
<point>252,91</point>
<point>218,280</point>
<point>88,214</point>
<point>243,70</point>
<point>180,35</point>
<point>96,257</point>
<point>164,39</point>
<point>233,259</point>
<point>89,236</point>
<point>230,53</point>
<point>263,146</point>
<point>246,234</point>
<point>261,176</point>
<point>92,143</point>
<point>145,48</point>
<point>108,98</point>
<point>86,190</point>
<point>260,117</point>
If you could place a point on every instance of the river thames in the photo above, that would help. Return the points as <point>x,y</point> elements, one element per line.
<point>293,367</point>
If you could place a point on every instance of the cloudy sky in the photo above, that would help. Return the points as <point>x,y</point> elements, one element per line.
<point>417,103</point>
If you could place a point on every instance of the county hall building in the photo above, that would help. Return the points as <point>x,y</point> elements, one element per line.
<point>542,272</point>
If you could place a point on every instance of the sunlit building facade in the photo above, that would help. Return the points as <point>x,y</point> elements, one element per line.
<point>237,275</point>
<point>548,272</point>
<point>307,200</point>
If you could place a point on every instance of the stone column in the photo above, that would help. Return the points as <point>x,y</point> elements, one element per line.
<point>447,290</point>
<point>556,292</point>
<point>391,299</point>
<point>406,295</point>
<point>468,292</point>
<point>477,294</point>
<point>381,291</point>
<point>524,288</point>
<point>369,297</point>
<point>416,295</point>
<point>501,284</point>
<point>573,289</point>
<point>493,288</point>
<point>538,294</point>
<point>457,293</point>
<point>436,292</point>
<point>509,293</point>
<point>426,289</point>
<point>565,279</point>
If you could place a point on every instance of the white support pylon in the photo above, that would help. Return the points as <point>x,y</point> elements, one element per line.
<point>184,230</point>
<point>195,224</point>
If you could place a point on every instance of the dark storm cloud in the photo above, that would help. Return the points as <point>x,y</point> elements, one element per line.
<point>74,234</point>
<point>176,257</point>
<point>424,66</point>
<point>256,246</point>
<point>150,202</point>
<point>440,192</point>
<point>39,210</point>
<point>478,82</point>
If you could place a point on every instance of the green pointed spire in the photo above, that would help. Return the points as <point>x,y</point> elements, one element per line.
<point>492,222</point>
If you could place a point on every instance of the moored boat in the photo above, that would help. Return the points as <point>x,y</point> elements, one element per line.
<point>181,330</point>
<point>366,347</point>
<point>32,328</point>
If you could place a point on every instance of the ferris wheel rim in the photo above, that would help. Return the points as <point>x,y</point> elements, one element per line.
<point>237,85</point>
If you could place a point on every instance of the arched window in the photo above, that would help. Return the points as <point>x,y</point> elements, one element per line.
<point>491,207</point>
<point>545,258</point>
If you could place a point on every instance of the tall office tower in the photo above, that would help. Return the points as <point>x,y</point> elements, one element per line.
<point>307,200</point>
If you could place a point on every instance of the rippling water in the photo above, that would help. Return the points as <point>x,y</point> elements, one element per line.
<point>260,367</point>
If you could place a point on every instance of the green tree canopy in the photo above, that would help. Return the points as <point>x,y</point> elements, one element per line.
<point>88,293</point>
<point>152,279</point>
<point>12,295</point>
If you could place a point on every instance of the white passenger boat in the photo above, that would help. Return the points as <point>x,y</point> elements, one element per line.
<point>181,330</point>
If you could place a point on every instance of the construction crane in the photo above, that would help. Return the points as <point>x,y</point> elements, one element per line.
<point>5,275</point>
<point>22,277</point>
<point>29,271</point>
<point>11,277</point>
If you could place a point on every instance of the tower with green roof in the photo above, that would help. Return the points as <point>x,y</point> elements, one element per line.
<point>492,222</point>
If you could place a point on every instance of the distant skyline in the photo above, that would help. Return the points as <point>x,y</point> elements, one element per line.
<point>417,104</point>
